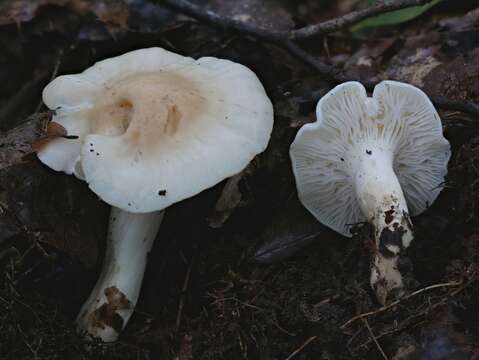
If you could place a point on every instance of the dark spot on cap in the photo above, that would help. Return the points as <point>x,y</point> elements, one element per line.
<point>91,144</point>
<point>162,192</point>
<point>91,150</point>
<point>129,204</point>
<point>342,159</point>
<point>97,154</point>
<point>369,152</point>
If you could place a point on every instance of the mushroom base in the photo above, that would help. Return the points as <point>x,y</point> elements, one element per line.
<point>113,299</point>
<point>393,234</point>
<point>383,203</point>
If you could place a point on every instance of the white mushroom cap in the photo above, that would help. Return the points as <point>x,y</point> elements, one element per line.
<point>155,127</point>
<point>398,120</point>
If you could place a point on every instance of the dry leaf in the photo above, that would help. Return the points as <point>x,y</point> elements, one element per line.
<point>54,130</point>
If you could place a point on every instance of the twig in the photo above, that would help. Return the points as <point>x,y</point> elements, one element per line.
<point>310,31</point>
<point>463,106</point>
<point>326,70</point>
<point>298,350</point>
<point>374,339</point>
<point>394,303</point>
<point>56,67</point>
<point>284,39</point>
<point>352,18</point>
<point>183,294</point>
<point>408,321</point>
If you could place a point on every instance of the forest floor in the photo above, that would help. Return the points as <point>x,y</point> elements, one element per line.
<point>256,278</point>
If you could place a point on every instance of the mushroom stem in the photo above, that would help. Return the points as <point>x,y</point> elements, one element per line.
<point>113,299</point>
<point>382,201</point>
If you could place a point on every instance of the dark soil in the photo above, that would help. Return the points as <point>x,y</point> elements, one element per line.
<point>265,279</point>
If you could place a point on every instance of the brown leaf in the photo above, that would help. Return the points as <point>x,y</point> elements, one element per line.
<point>229,200</point>
<point>290,230</point>
<point>54,130</point>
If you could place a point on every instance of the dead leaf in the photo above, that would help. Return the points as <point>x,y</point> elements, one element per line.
<point>292,229</point>
<point>229,200</point>
<point>54,130</point>
<point>418,56</point>
<point>457,79</point>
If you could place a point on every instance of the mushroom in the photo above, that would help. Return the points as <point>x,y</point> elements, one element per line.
<point>379,159</point>
<point>153,128</point>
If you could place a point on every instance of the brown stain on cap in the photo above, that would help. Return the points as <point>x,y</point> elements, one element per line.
<point>106,314</point>
<point>146,108</point>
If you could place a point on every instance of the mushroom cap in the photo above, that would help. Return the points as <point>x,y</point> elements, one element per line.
<point>399,118</point>
<point>156,127</point>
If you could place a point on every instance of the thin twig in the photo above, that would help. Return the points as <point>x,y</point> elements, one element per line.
<point>56,67</point>
<point>407,322</point>
<point>463,106</point>
<point>183,294</point>
<point>298,350</point>
<point>326,70</point>
<point>352,18</point>
<point>394,303</point>
<point>374,339</point>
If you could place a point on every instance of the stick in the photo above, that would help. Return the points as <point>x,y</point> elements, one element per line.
<point>298,350</point>
<point>394,303</point>
<point>182,297</point>
<point>352,18</point>
<point>374,339</point>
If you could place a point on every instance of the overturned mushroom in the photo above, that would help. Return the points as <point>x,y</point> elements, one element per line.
<point>378,159</point>
<point>153,128</point>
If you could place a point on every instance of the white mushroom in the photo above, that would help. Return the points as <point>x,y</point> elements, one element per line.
<point>372,159</point>
<point>153,128</point>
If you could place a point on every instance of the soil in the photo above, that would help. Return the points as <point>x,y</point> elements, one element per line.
<point>242,270</point>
